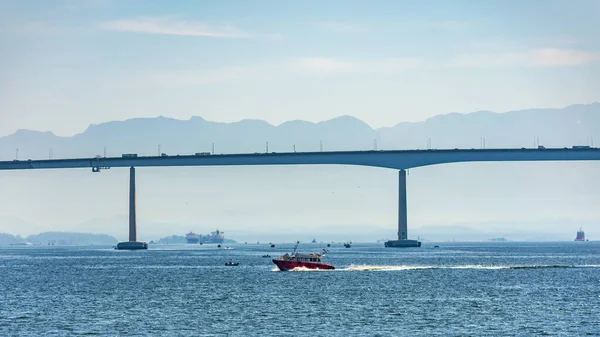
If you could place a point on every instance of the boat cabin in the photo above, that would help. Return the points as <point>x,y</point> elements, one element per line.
<point>304,257</point>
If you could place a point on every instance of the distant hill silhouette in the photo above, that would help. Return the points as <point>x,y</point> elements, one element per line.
<point>572,125</point>
<point>9,239</point>
<point>71,238</point>
<point>59,238</point>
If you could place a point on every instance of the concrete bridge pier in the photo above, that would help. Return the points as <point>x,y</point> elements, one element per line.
<point>403,241</point>
<point>402,209</point>
<point>132,244</point>
<point>132,222</point>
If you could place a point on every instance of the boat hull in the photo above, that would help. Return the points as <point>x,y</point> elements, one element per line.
<point>285,265</point>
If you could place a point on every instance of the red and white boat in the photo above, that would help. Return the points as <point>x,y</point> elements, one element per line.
<point>297,260</point>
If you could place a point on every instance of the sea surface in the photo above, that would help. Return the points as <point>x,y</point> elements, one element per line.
<point>458,289</point>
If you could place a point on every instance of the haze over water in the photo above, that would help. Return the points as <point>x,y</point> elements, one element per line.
<point>483,289</point>
<point>87,78</point>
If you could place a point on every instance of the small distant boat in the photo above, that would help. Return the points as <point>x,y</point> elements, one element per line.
<point>328,245</point>
<point>272,245</point>
<point>266,255</point>
<point>580,235</point>
<point>348,244</point>
<point>296,260</point>
<point>228,248</point>
<point>218,246</point>
<point>229,263</point>
<point>436,246</point>
<point>314,241</point>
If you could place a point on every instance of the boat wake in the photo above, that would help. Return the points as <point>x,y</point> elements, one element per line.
<point>555,266</point>
<point>401,268</point>
<point>303,269</point>
<point>398,268</point>
<point>383,268</point>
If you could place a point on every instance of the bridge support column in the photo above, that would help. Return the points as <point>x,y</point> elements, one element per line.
<point>132,223</point>
<point>402,209</point>
<point>132,244</point>
<point>403,241</point>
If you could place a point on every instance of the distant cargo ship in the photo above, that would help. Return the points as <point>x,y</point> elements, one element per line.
<point>214,237</point>
<point>192,237</point>
<point>580,235</point>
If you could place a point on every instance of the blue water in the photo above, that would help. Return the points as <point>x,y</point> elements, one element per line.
<point>480,289</point>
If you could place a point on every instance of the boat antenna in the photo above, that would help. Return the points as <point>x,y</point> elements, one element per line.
<point>295,248</point>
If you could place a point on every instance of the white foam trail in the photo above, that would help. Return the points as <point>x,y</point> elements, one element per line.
<point>401,268</point>
<point>477,267</point>
<point>302,269</point>
<point>383,268</point>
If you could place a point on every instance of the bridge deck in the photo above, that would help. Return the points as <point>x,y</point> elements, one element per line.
<point>397,159</point>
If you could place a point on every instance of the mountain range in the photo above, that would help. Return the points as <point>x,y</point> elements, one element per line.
<point>572,125</point>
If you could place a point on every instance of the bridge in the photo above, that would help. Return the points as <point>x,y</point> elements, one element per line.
<point>400,160</point>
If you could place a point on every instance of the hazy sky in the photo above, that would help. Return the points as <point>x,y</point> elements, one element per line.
<point>67,63</point>
<point>302,202</point>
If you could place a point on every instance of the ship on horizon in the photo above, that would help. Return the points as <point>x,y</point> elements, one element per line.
<point>192,237</point>
<point>214,237</point>
<point>580,235</point>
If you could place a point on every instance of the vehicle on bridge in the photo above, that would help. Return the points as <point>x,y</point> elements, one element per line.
<point>129,155</point>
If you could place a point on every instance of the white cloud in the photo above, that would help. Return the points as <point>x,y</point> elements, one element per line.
<point>86,4</point>
<point>325,65</point>
<point>41,28</point>
<point>402,25</point>
<point>190,77</point>
<point>171,26</point>
<point>335,65</point>
<point>447,25</point>
<point>398,63</point>
<point>343,27</point>
<point>338,66</point>
<point>262,71</point>
<point>547,57</point>
<point>562,57</point>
